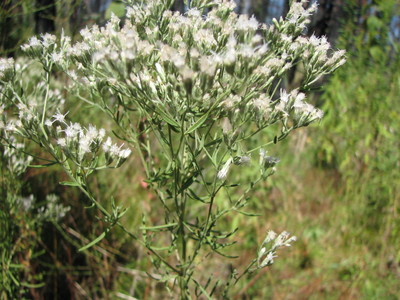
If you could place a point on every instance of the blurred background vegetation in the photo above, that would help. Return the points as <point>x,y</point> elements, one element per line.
<point>337,187</point>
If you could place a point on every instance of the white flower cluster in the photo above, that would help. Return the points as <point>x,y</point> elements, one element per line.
<point>203,58</point>
<point>6,68</point>
<point>53,210</point>
<point>304,113</point>
<point>315,53</point>
<point>191,61</point>
<point>186,70</point>
<point>17,160</point>
<point>26,203</point>
<point>299,16</point>
<point>83,144</point>
<point>36,46</point>
<point>266,255</point>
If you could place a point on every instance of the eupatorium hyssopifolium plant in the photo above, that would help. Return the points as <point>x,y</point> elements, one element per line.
<point>188,93</point>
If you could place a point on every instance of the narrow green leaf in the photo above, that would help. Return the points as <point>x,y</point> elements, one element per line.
<point>167,118</point>
<point>214,288</point>
<point>17,266</point>
<point>187,183</point>
<point>247,213</point>
<point>201,141</point>
<point>226,235</point>
<point>203,290</point>
<point>213,142</point>
<point>117,135</point>
<point>232,185</point>
<point>13,278</point>
<point>160,248</point>
<point>94,242</point>
<point>155,228</point>
<point>194,196</point>
<point>42,166</point>
<point>33,285</point>
<point>198,123</point>
<point>69,183</point>
<point>224,255</point>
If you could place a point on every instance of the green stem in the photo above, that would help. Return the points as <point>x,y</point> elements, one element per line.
<point>245,271</point>
<point>46,97</point>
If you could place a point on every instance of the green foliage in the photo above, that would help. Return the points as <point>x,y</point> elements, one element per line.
<point>361,104</point>
<point>16,19</point>
<point>337,186</point>
<point>356,153</point>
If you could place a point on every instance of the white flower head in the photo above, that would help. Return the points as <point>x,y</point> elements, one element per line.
<point>271,235</point>
<point>92,133</point>
<point>6,63</point>
<point>102,133</point>
<point>267,254</point>
<point>61,142</point>
<point>114,150</point>
<point>73,130</point>
<point>34,42</point>
<point>57,57</point>
<point>124,153</point>
<point>225,169</point>
<point>48,40</point>
<point>245,23</point>
<point>269,259</point>
<point>84,145</point>
<point>48,123</point>
<point>59,117</point>
<point>283,240</point>
<point>107,145</point>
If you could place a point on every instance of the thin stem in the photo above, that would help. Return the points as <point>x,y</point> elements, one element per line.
<point>46,97</point>
<point>205,229</point>
<point>246,270</point>
<point>177,271</point>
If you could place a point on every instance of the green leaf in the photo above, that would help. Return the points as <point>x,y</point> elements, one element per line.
<point>167,118</point>
<point>198,123</point>
<point>203,290</point>
<point>248,214</point>
<point>187,183</point>
<point>94,242</point>
<point>216,141</point>
<point>155,228</point>
<point>117,135</point>
<point>43,166</point>
<point>69,183</point>
<point>160,248</point>
<point>194,196</point>
<point>17,266</point>
<point>13,278</point>
<point>224,255</point>
<point>33,285</point>
<point>226,235</point>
